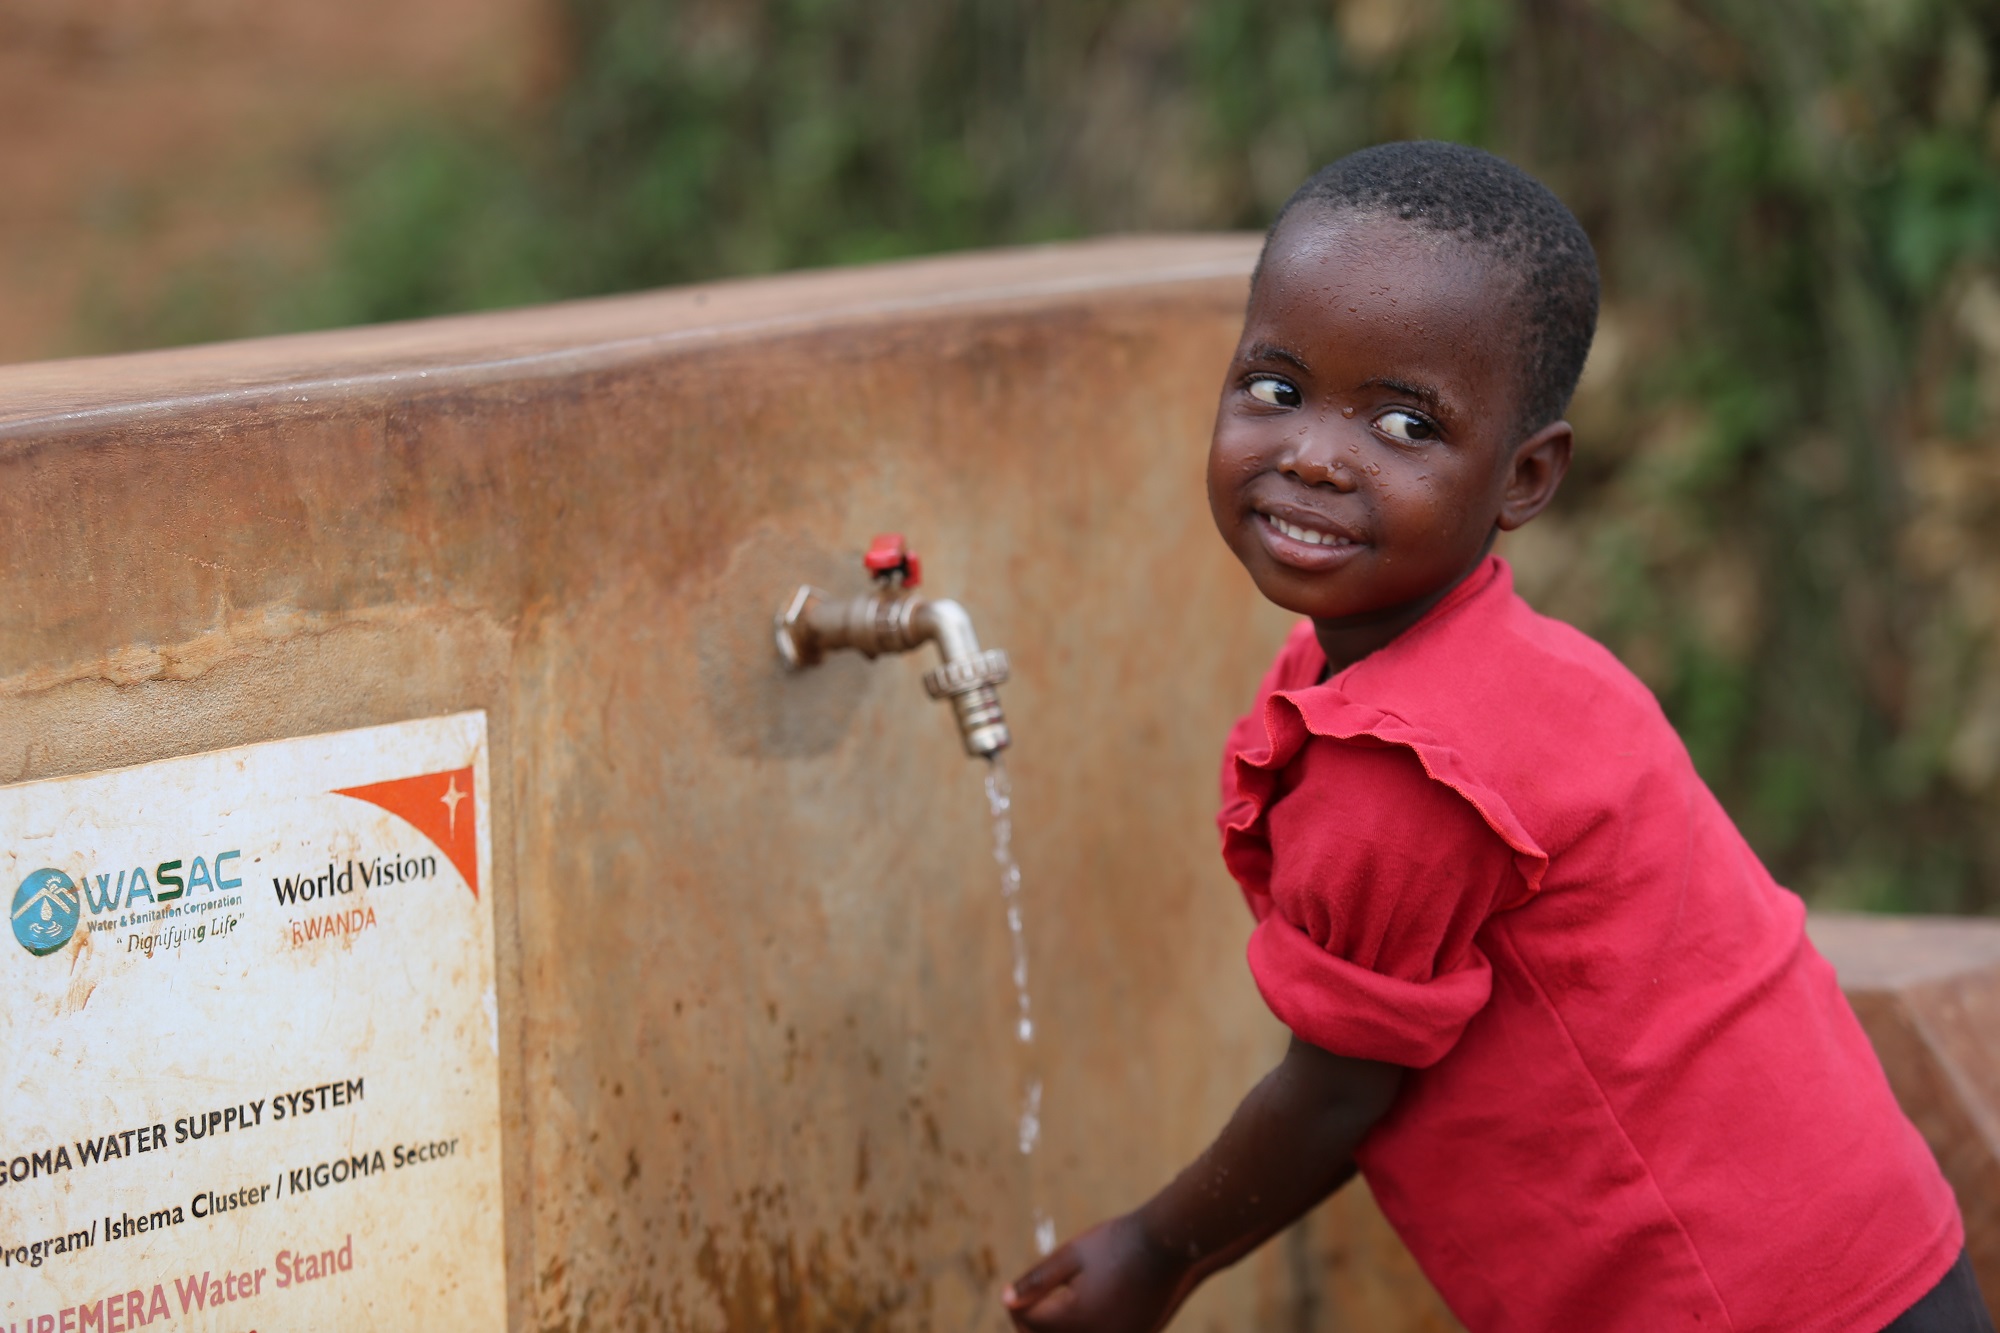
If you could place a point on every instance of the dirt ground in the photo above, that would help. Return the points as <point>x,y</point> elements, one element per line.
<point>138,135</point>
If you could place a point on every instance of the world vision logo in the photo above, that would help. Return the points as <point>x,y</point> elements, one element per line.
<point>46,907</point>
<point>437,805</point>
<point>440,806</point>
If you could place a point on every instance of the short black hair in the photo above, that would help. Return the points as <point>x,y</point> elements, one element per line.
<point>1492,205</point>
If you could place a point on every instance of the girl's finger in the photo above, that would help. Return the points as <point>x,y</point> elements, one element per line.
<point>1043,1278</point>
<point>1050,1313</point>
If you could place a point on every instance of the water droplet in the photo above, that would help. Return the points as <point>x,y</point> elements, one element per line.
<point>1031,1118</point>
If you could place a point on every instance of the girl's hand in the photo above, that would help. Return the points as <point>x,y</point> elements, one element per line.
<point>1111,1279</point>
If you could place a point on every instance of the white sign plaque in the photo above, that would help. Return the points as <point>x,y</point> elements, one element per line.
<point>248,1047</point>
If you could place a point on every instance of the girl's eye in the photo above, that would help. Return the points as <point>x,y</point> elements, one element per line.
<point>1274,392</point>
<point>1398,424</point>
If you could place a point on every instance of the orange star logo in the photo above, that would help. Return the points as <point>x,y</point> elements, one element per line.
<point>416,800</point>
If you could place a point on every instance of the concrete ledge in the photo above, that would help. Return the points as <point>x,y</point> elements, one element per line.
<point>41,398</point>
<point>1928,992</point>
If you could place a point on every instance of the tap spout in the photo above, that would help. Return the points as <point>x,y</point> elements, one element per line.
<point>893,618</point>
<point>966,675</point>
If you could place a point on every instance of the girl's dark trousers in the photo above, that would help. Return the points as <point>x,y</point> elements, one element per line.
<point>1952,1306</point>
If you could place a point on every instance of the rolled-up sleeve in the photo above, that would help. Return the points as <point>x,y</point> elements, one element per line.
<point>1380,878</point>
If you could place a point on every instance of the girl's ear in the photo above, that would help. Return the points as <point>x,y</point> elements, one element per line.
<point>1539,464</point>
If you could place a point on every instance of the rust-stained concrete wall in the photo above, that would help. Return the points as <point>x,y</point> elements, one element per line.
<point>757,1059</point>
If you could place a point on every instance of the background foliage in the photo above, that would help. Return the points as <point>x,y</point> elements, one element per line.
<point>1786,507</point>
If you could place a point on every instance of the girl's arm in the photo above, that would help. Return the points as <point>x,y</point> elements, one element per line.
<point>1289,1145</point>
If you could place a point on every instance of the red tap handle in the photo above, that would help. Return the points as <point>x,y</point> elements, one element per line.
<point>889,554</point>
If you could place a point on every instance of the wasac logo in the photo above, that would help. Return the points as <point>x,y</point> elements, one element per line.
<point>46,907</point>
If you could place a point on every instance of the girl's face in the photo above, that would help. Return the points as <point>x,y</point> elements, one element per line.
<point>1365,450</point>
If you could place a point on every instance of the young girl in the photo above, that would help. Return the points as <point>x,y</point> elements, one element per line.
<point>1541,992</point>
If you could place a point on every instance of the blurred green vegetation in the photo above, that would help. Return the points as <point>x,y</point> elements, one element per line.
<point>1786,513</point>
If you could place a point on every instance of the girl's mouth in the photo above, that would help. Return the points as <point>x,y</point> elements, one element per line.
<point>1306,535</point>
<point>1302,547</point>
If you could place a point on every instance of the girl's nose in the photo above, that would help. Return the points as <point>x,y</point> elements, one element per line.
<point>1317,463</point>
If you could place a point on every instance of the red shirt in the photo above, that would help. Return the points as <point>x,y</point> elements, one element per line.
<point>1638,1099</point>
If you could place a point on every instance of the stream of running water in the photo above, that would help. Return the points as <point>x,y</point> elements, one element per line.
<point>1000,804</point>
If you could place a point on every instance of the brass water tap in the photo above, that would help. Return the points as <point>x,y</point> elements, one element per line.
<point>894,618</point>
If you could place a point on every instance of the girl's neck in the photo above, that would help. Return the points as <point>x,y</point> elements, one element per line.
<point>1348,639</point>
